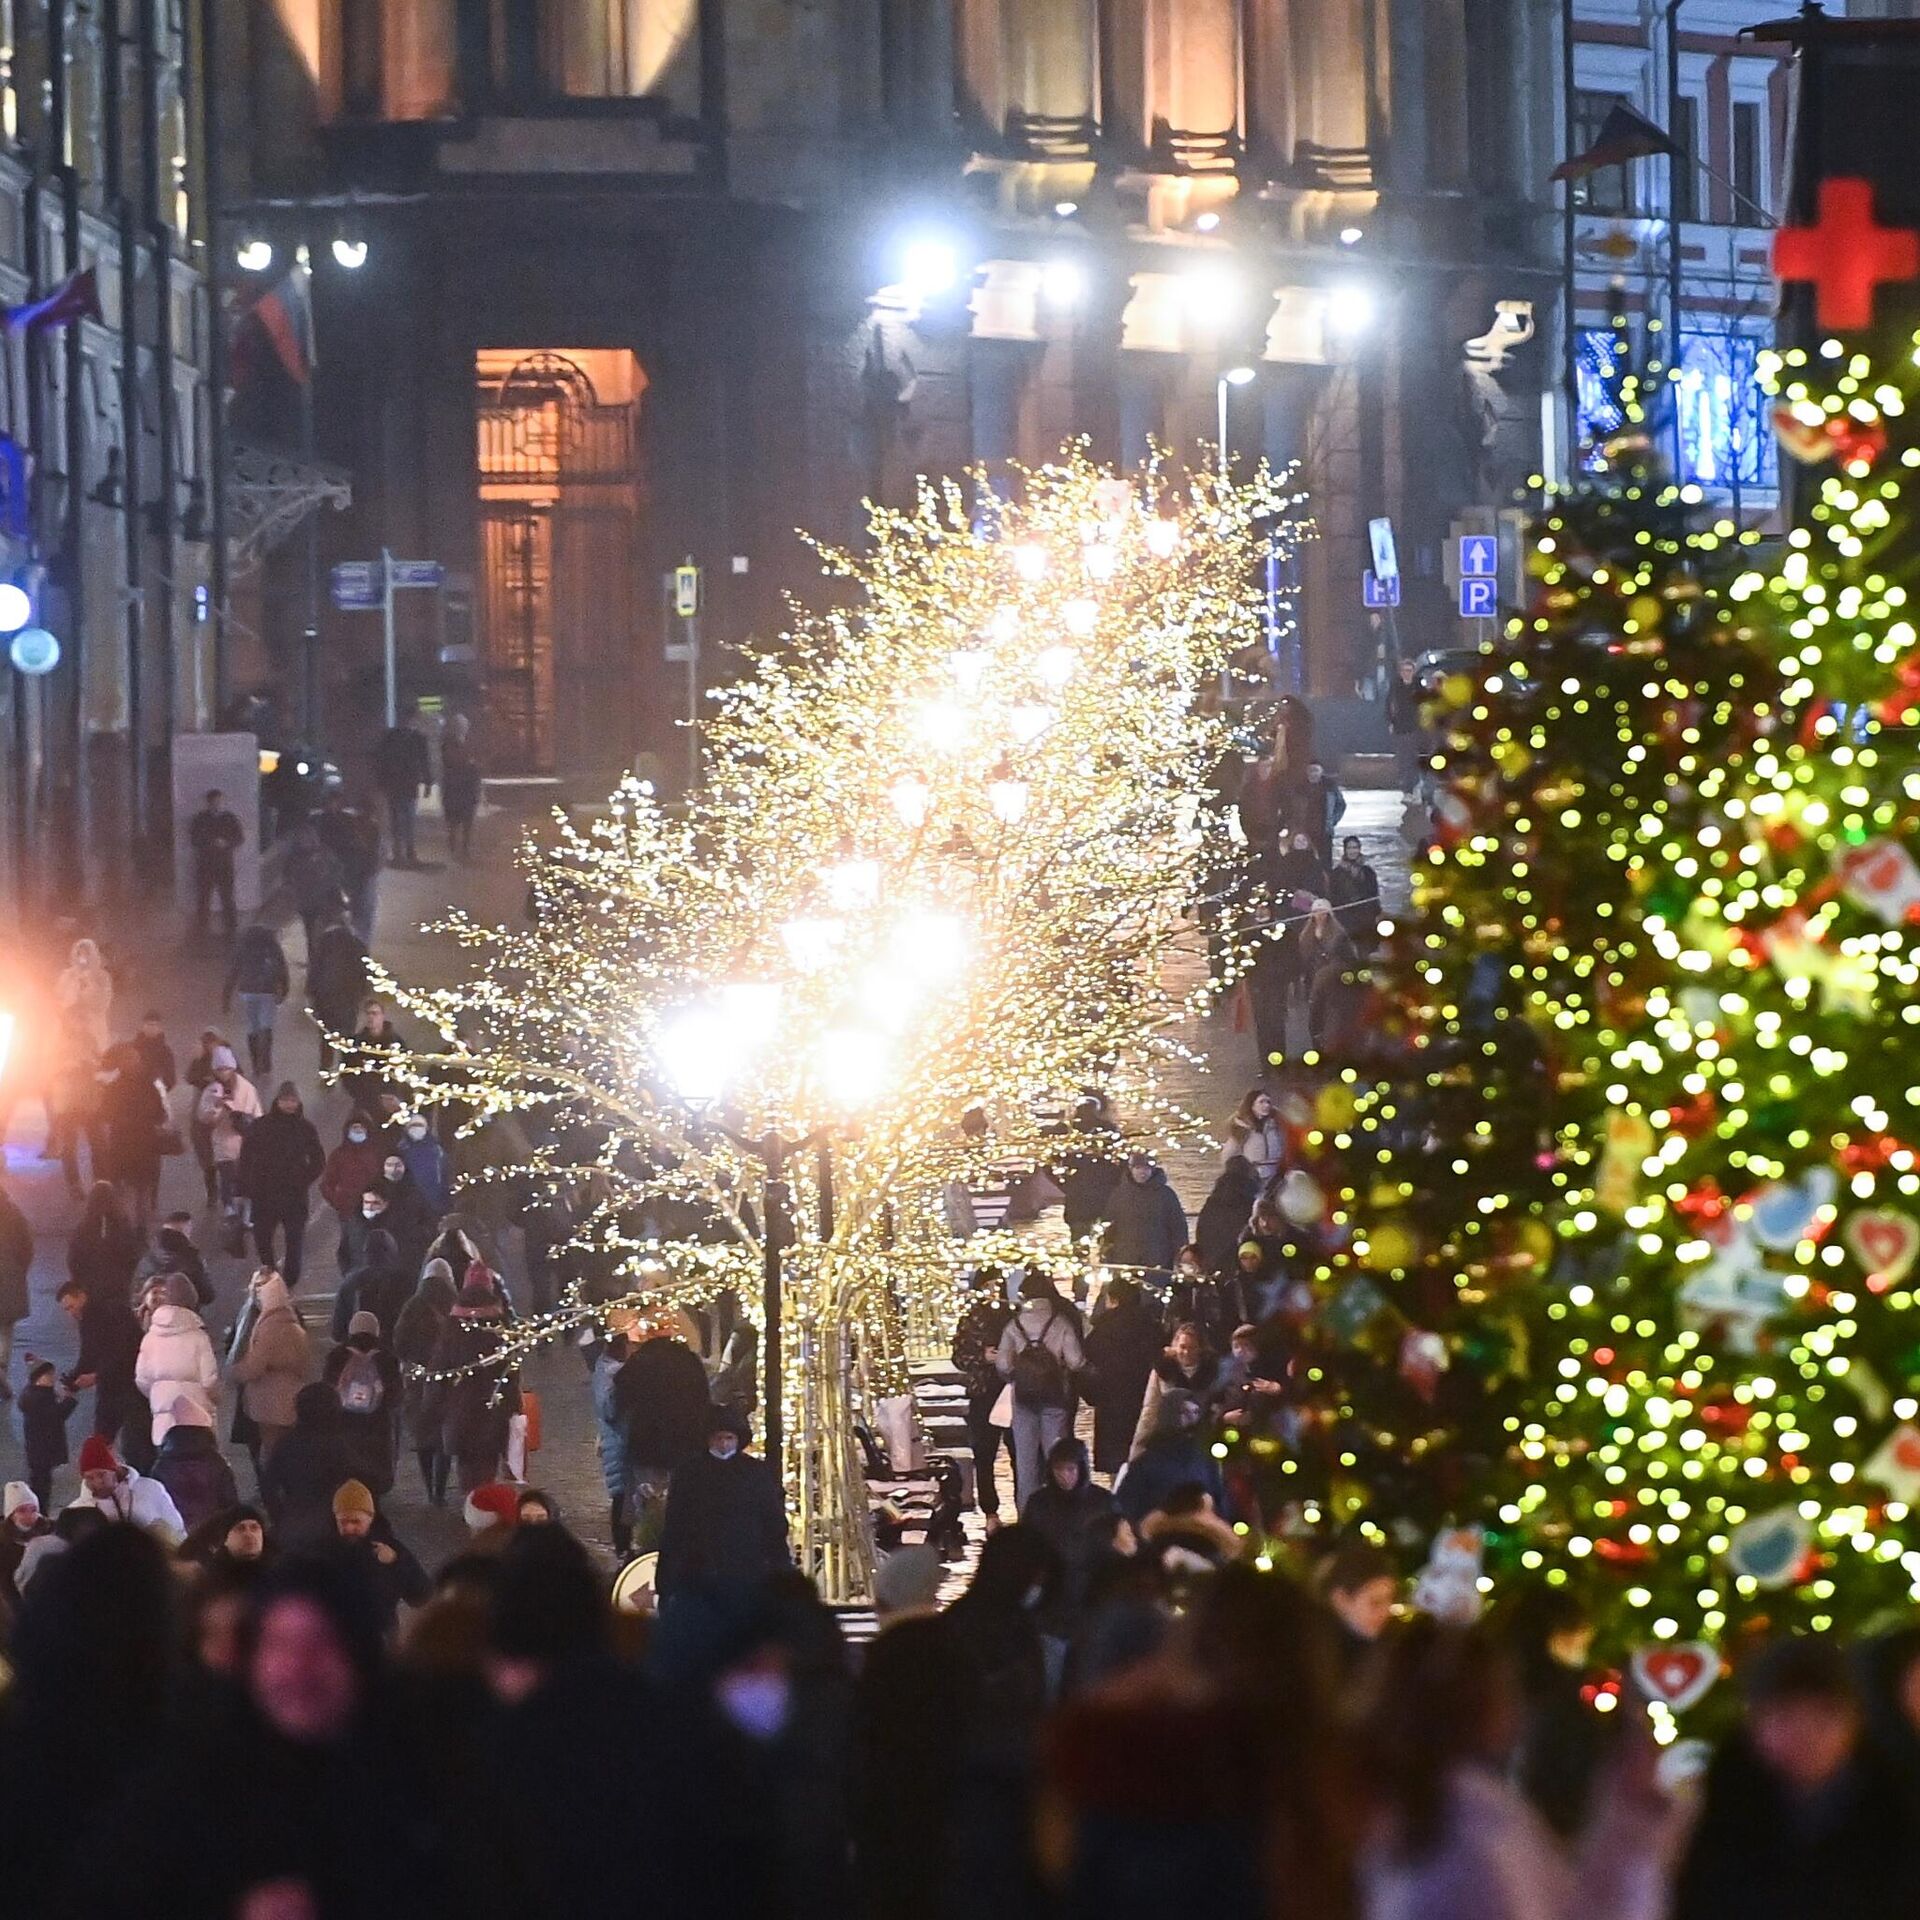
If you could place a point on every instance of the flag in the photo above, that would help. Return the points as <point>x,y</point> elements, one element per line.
<point>75,298</point>
<point>1624,135</point>
<point>283,316</point>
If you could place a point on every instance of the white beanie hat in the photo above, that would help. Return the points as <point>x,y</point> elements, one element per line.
<point>221,1058</point>
<point>18,1494</point>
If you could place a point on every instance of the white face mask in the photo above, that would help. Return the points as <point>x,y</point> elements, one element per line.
<point>357,1135</point>
<point>418,1130</point>
<point>371,1212</point>
<point>724,1449</point>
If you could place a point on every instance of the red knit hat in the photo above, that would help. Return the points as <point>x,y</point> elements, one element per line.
<point>97,1455</point>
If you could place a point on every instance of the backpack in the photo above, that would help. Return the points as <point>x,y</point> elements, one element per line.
<point>1038,1374</point>
<point>360,1387</point>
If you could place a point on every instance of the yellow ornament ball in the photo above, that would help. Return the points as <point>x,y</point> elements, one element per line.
<point>1456,690</point>
<point>1334,1107</point>
<point>1389,1246</point>
<point>1646,609</point>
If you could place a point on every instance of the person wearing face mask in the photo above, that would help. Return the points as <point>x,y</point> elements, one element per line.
<point>426,1162</point>
<point>726,1517</point>
<point>352,1167</point>
<point>280,1159</point>
<point>404,1214</point>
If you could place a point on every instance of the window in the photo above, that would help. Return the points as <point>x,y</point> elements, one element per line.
<point>1726,440</point>
<point>1747,184</point>
<point>1686,168</point>
<point>1610,189</point>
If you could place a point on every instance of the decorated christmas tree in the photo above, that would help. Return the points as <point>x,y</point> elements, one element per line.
<point>1479,1162</point>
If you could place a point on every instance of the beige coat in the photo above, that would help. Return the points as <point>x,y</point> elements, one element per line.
<point>276,1361</point>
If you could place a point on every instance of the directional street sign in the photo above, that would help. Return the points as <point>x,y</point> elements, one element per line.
<point>1378,594</point>
<point>418,573</point>
<point>1386,561</point>
<point>686,591</point>
<point>355,586</point>
<point>1479,597</point>
<point>1479,557</point>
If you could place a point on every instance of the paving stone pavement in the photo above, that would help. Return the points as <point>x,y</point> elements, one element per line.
<point>182,979</point>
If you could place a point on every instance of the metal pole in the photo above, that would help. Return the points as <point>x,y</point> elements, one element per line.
<point>310,562</point>
<point>159,226</point>
<point>1570,377</point>
<point>1220,400</point>
<point>1676,160</point>
<point>392,661</point>
<point>777,1231</point>
<point>823,1179</point>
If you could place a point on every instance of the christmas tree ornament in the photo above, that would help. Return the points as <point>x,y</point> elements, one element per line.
<point>1680,1673</point>
<point>1885,1241</point>
<point>1895,1463</point>
<point>1846,254</point>
<point>1448,1586</point>
<point>1300,1199</point>
<point>1784,1212</point>
<point>1771,1548</point>
<point>1881,877</point>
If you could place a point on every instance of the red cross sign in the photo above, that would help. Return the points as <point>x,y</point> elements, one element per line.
<point>1845,255</point>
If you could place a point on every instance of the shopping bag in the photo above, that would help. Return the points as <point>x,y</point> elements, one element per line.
<point>1002,1414</point>
<point>517,1446</point>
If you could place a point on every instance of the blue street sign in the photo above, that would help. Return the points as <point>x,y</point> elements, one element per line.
<point>418,573</point>
<point>1376,593</point>
<point>1479,599</point>
<point>1479,557</point>
<point>355,586</point>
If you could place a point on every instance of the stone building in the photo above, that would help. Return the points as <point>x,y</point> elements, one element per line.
<point>647,280</point>
<point>105,435</point>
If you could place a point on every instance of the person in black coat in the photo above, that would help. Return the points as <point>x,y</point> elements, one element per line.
<point>365,1378</point>
<point>660,1396</point>
<point>1148,1225</point>
<point>105,1247</point>
<point>1801,1816</point>
<point>280,1159</point>
<point>336,979</point>
<point>133,1114</point>
<point>380,1285</point>
<point>726,1518</point>
<point>406,1215</point>
<point>1224,1213</point>
<point>1074,1515</point>
<point>1089,1173</point>
<point>976,1341</point>
<point>109,1347</point>
<point>192,1468</point>
<point>309,1466</point>
<point>1122,1346</point>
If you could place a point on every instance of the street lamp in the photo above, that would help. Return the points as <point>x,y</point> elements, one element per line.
<point>1233,377</point>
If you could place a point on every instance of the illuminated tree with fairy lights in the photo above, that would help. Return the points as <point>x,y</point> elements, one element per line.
<point>939,871</point>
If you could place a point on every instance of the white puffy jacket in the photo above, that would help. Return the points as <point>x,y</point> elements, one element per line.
<point>176,1357</point>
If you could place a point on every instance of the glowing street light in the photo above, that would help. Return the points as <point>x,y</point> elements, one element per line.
<point>1163,538</point>
<point>852,884</point>
<point>1062,283</point>
<point>1007,795</point>
<point>854,1065</point>
<point>911,797</point>
<point>969,665</point>
<point>941,725</point>
<point>1233,377</point>
<point>254,255</point>
<point>1055,666</point>
<point>16,606</point>
<point>1080,617</point>
<point>929,267</point>
<point>349,252</point>
<point>1350,308</point>
<point>1030,561</point>
<point>810,940</point>
<point>1029,720</point>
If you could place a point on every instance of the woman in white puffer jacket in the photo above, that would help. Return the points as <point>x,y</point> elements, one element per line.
<point>176,1356</point>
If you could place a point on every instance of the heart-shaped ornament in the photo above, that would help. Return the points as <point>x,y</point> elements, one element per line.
<point>1678,1674</point>
<point>1784,1212</point>
<point>1770,1547</point>
<point>1885,1242</point>
<point>1896,1463</point>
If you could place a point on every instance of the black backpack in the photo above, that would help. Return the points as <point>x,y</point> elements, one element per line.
<point>1038,1374</point>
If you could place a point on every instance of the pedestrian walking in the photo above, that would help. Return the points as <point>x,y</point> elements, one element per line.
<point>352,1167</point>
<point>384,1565</point>
<point>228,1105</point>
<point>976,1343</point>
<point>1124,1345</point>
<point>309,1466</point>
<point>109,1345</point>
<point>1177,1454</point>
<point>133,1129</point>
<point>376,1090</point>
<point>1038,1355</point>
<point>1146,1224</point>
<point>270,1361</point>
<point>417,1337</point>
<point>214,835</point>
<point>105,1247</point>
<point>1075,1517</point>
<point>1354,889</point>
<point>191,1466</point>
<point>470,1405</point>
<point>200,1133</point>
<point>319,887</point>
<point>23,1520</point>
<point>1187,1365</point>
<point>404,769</point>
<point>16,1262</point>
<point>176,1359</point>
<point>460,783</point>
<point>1406,723</point>
<point>365,1378</point>
<point>354,842</point>
<point>1256,1135</point>
<point>406,1213</point>
<point>664,1401</point>
<point>258,974</point>
<point>1317,805</point>
<point>726,1518</point>
<point>380,1285</point>
<point>156,1056</point>
<point>84,996</point>
<point>172,1251</point>
<point>336,980</point>
<point>1222,1224</point>
<point>280,1159</point>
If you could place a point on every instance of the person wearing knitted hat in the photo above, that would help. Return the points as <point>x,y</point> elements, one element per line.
<point>191,1466</point>
<point>21,1520</point>
<point>119,1494</point>
<point>365,1378</point>
<point>396,1577</point>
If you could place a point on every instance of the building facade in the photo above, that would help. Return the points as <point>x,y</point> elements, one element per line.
<point>655,280</point>
<point>105,437</point>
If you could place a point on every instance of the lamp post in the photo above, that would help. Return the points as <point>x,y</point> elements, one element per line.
<point>1233,377</point>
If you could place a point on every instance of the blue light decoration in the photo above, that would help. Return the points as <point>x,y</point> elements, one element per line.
<point>1726,441</point>
<point>1601,364</point>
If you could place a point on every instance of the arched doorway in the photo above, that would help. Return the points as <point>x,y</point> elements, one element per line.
<point>558,602</point>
